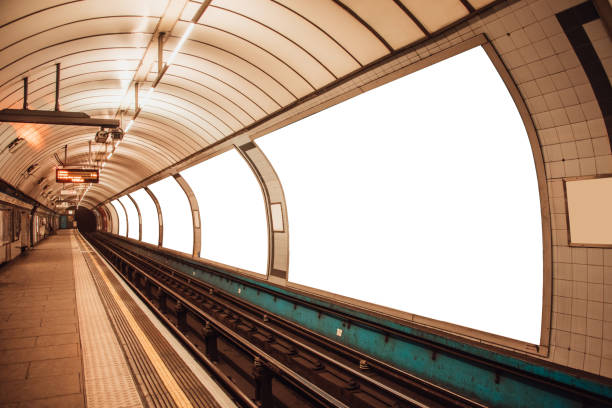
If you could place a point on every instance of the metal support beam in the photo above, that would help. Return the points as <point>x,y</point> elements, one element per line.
<point>160,52</point>
<point>135,96</point>
<point>195,214</point>
<point>25,93</point>
<point>55,118</point>
<point>160,219</point>
<point>57,86</point>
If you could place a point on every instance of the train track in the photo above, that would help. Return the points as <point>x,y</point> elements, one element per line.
<point>263,359</point>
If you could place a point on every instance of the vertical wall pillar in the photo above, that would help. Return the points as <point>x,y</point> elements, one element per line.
<point>276,210</point>
<point>114,217</point>
<point>102,218</point>
<point>139,217</point>
<point>96,214</point>
<point>127,220</point>
<point>195,214</point>
<point>107,219</point>
<point>160,218</point>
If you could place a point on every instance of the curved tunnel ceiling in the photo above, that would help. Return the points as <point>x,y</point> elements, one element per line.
<point>243,61</point>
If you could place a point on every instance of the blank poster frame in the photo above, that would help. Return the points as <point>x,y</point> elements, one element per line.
<point>567,217</point>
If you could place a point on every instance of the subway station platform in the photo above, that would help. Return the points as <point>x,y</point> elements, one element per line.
<point>73,335</point>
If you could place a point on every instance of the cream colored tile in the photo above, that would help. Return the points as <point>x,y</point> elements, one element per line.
<point>543,120</point>
<point>550,25</point>
<point>580,131</point>
<point>569,150</point>
<point>607,330</point>
<point>564,322</point>
<point>591,110</point>
<point>561,356</point>
<point>560,237</point>
<point>576,359</point>
<point>591,364</point>
<point>579,307</point>
<point>537,104</point>
<point>597,127</point>
<point>545,83</point>
<point>603,164</point>
<point>585,148</point>
<point>578,325</point>
<point>562,338</point>
<point>525,16</point>
<point>559,222</point>
<point>575,113</point>
<point>519,38</point>
<point>529,89</point>
<point>595,292</point>
<point>564,288</point>
<point>607,312</point>
<point>595,274</point>
<point>563,271</point>
<point>522,74</point>
<point>556,190</point>
<point>595,30</point>
<point>606,350</point>
<point>606,368</point>
<point>560,43</point>
<point>578,342</point>
<point>572,168</point>
<point>585,93</point>
<point>535,32</point>
<point>510,23</point>
<point>601,146</point>
<point>607,254</point>
<point>579,256</point>
<point>544,48</point>
<point>577,76</point>
<point>568,97</point>
<point>548,136</point>
<point>587,167</point>
<point>593,346</point>
<point>595,310</point>
<point>569,59</point>
<point>559,117</point>
<point>563,304</point>
<point>594,328</point>
<point>580,290</point>
<point>607,295</point>
<point>595,256</point>
<point>562,254</point>
<point>580,273</point>
<point>607,275</point>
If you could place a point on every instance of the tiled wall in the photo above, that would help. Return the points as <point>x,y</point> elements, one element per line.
<point>574,140</point>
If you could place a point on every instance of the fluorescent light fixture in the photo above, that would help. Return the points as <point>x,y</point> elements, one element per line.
<point>129,125</point>
<point>180,44</point>
<point>14,145</point>
<point>109,155</point>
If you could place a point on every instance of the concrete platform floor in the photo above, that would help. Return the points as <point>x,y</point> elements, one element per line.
<point>40,350</point>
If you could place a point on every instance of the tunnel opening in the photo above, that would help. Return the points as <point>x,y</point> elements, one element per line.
<point>86,220</point>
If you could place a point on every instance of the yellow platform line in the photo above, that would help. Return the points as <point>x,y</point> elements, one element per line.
<point>173,388</point>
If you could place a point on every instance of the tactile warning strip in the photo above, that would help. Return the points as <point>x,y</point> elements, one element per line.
<point>175,381</point>
<point>107,377</point>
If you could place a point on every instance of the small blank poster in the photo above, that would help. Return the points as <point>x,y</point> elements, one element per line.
<point>589,207</point>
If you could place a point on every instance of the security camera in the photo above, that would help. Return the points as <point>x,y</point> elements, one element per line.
<point>116,134</point>
<point>101,136</point>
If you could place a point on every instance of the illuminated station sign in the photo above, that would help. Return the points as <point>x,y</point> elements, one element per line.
<point>77,175</point>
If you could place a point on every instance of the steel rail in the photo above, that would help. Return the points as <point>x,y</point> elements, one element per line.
<point>176,276</point>
<point>306,347</point>
<point>241,341</point>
